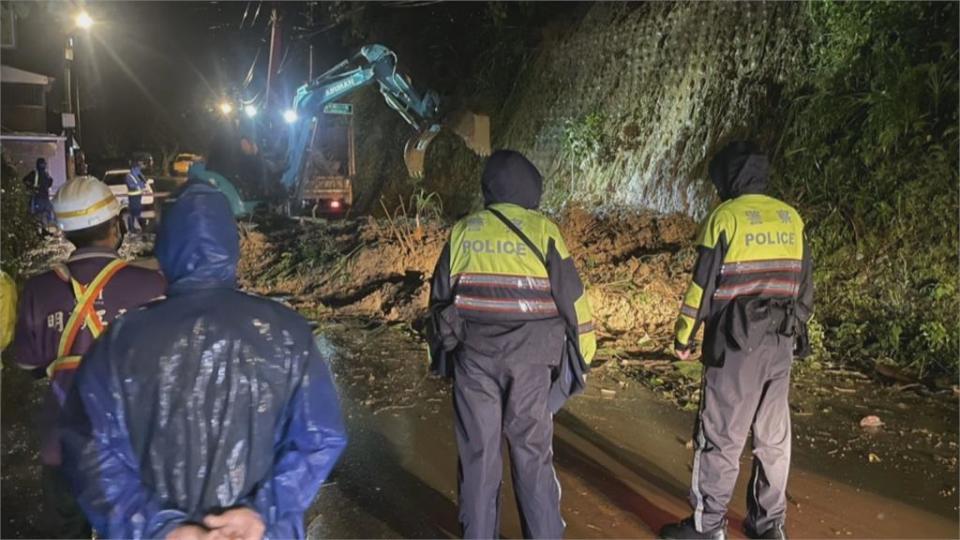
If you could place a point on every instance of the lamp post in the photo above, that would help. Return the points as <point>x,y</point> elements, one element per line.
<point>83,21</point>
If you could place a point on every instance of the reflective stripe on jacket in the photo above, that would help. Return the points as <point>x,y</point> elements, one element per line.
<point>83,316</point>
<point>134,185</point>
<point>749,246</point>
<point>493,276</point>
<point>45,307</point>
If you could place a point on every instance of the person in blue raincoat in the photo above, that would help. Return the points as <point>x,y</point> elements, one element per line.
<point>208,411</point>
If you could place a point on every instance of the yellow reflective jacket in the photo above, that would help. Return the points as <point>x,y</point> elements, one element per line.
<point>749,246</point>
<point>8,309</point>
<point>489,274</point>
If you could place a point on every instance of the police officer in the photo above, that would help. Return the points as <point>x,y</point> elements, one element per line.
<point>135,186</point>
<point>512,325</point>
<point>64,310</point>
<point>752,286</point>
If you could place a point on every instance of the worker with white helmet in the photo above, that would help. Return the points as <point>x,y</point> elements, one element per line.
<point>61,313</point>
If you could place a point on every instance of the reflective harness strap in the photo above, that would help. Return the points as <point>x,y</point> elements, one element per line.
<point>138,190</point>
<point>83,314</point>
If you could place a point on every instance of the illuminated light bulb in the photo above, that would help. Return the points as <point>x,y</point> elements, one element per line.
<point>84,20</point>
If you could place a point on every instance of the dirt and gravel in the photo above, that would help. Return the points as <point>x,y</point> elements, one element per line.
<point>636,266</point>
<point>623,449</point>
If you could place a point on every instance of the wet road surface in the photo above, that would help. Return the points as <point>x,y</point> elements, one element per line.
<point>623,463</point>
<point>622,460</point>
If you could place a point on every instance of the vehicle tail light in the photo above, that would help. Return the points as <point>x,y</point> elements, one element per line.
<point>335,204</point>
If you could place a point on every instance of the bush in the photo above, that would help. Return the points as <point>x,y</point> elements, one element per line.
<point>870,157</point>
<point>19,229</point>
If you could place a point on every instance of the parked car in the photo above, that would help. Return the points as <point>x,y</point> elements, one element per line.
<point>181,164</point>
<point>115,179</point>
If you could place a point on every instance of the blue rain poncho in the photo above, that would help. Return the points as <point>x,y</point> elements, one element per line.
<point>203,401</point>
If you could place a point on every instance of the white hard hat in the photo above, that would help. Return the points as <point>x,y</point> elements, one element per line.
<point>84,202</point>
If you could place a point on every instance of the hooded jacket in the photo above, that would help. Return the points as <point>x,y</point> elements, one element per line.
<point>206,400</point>
<point>750,249</point>
<point>517,303</point>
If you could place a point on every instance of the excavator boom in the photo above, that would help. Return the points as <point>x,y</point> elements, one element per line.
<point>377,64</point>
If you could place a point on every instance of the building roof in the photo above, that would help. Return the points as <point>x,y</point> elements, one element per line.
<point>10,74</point>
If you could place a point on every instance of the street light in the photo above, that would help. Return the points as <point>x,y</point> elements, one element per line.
<point>83,20</point>
<point>290,116</point>
<point>250,111</point>
<point>225,107</point>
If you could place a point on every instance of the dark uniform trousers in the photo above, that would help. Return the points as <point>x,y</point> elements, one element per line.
<point>750,392</point>
<point>497,396</point>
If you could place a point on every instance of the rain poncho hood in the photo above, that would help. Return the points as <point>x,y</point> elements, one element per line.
<point>198,244</point>
<point>509,177</point>
<point>202,401</point>
<point>738,169</point>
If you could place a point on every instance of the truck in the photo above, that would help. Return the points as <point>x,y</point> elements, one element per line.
<point>330,166</point>
<point>312,183</point>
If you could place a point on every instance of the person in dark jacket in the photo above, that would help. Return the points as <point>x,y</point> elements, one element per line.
<point>38,183</point>
<point>62,312</point>
<point>511,323</point>
<point>752,285</point>
<point>136,183</point>
<point>209,411</point>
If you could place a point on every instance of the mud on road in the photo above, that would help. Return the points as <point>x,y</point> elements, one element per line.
<point>623,449</point>
<point>622,452</point>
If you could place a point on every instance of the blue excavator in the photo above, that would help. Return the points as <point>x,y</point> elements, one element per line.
<point>372,64</point>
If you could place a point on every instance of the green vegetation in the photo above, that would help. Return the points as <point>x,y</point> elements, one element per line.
<point>869,155</point>
<point>583,140</point>
<point>20,231</point>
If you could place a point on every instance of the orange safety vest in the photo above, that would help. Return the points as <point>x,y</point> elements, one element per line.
<point>83,314</point>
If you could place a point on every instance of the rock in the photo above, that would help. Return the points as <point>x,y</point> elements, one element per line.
<point>871,422</point>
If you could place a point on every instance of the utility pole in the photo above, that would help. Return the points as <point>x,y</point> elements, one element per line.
<point>273,52</point>
<point>310,65</point>
<point>76,113</point>
<point>68,107</point>
<point>68,60</point>
<point>310,52</point>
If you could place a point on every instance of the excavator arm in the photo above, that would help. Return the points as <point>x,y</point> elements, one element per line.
<point>377,64</point>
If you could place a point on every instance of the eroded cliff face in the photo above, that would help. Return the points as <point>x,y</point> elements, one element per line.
<point>625,110</point>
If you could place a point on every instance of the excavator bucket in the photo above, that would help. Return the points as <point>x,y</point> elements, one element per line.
<point>474,129</point>
<point>415,151</point>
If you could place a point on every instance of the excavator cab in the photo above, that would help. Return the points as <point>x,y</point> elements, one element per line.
<point>330,164</point>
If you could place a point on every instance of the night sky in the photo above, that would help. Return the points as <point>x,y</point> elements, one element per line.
<point>151,72</point>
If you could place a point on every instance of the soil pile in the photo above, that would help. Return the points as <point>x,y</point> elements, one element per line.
<point>635,266</point>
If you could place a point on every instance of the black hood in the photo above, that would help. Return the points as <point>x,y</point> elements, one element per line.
<point>738,169</point>
<point>509,177</point>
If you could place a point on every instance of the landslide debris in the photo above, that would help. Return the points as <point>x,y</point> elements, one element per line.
<point>635,266</point>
